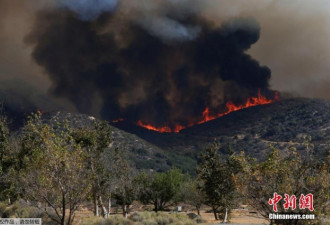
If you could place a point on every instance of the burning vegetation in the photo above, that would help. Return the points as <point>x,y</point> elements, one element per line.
<point>208,115</point>
<point>165,67</point>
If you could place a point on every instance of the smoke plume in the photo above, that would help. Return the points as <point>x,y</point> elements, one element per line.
<point>162,60</point>
<point>86,9</point>
<point>164,67</point>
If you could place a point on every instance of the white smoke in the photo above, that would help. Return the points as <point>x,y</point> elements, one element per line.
<point>89,9</point>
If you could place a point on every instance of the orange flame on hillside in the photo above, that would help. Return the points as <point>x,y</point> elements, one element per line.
<point>207,115</point>
<point>164,129</point>
<point>118,120</point>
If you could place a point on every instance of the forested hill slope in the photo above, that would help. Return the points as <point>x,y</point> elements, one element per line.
<point>282,124</point>
<point>144,154</point>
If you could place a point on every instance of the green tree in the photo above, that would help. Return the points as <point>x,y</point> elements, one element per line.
<point>286,172</point>
<point>122,179</point>
<point>192,194</point>
<point>94,142</point>
<point>160,188</point>
<point>52,168</point>
<point>218,178</point>
<point>4,142</point>
<point>7,163</point>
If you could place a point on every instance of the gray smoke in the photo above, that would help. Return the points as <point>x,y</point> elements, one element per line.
<point>293,42</point>
<point>164,73</point>
<point>87,9</point>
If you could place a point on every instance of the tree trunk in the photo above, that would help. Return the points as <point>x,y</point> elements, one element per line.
<point>124,207</point>
<point>161,205</point>
<point>215,213</point>
<point>109,206</point>
<point>226,214</point>
<point>198,209</point>
<point>71,215</point>
<point>156,205</point>
<point>104,210</point>
<point>96,206</point>
<point>71,218</point>
<point>63,210</point>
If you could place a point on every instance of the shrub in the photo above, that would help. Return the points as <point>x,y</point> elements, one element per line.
<point>146,218</point>
<point>136,217</point>
<point>20,209</point>
<point>115,220</point>
<point>93,220</point>
<point>199,219</point>
<point>3,207</point>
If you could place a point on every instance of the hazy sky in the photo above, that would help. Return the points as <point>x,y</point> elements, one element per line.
<point>294,40</point>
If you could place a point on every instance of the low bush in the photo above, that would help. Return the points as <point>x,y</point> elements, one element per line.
<point>93,221</point>
<point>3,207</point>
<point>145,218</point>
<point>20,209</point>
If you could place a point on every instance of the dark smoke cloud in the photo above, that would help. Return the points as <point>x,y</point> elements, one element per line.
<point>23,86</point>
<point>123,69</point>
<point>293,42</point>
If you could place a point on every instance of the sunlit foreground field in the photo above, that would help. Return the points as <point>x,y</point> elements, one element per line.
<point>139,215</point>
<point>145,216</point>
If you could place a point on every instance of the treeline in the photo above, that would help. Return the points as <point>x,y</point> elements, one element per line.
<point>57,167</point>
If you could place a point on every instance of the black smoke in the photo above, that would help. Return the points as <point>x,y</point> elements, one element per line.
<point>120,69</point>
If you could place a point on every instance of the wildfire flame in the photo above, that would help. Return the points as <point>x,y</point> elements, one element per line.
<point>207,115</point>
<point>118,120</point>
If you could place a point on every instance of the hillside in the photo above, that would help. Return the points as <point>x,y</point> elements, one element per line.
<point>282,124</point>
<point>144,154</point>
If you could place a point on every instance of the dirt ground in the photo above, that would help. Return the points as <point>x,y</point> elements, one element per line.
<point>237,216</point>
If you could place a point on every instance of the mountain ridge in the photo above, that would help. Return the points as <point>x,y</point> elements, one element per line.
<point>283,124</point>
<point>286,123</point>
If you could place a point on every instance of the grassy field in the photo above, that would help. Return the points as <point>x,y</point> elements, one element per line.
<point>137,216</point>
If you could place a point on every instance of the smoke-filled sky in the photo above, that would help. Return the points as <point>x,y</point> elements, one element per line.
<point>162,54</point>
